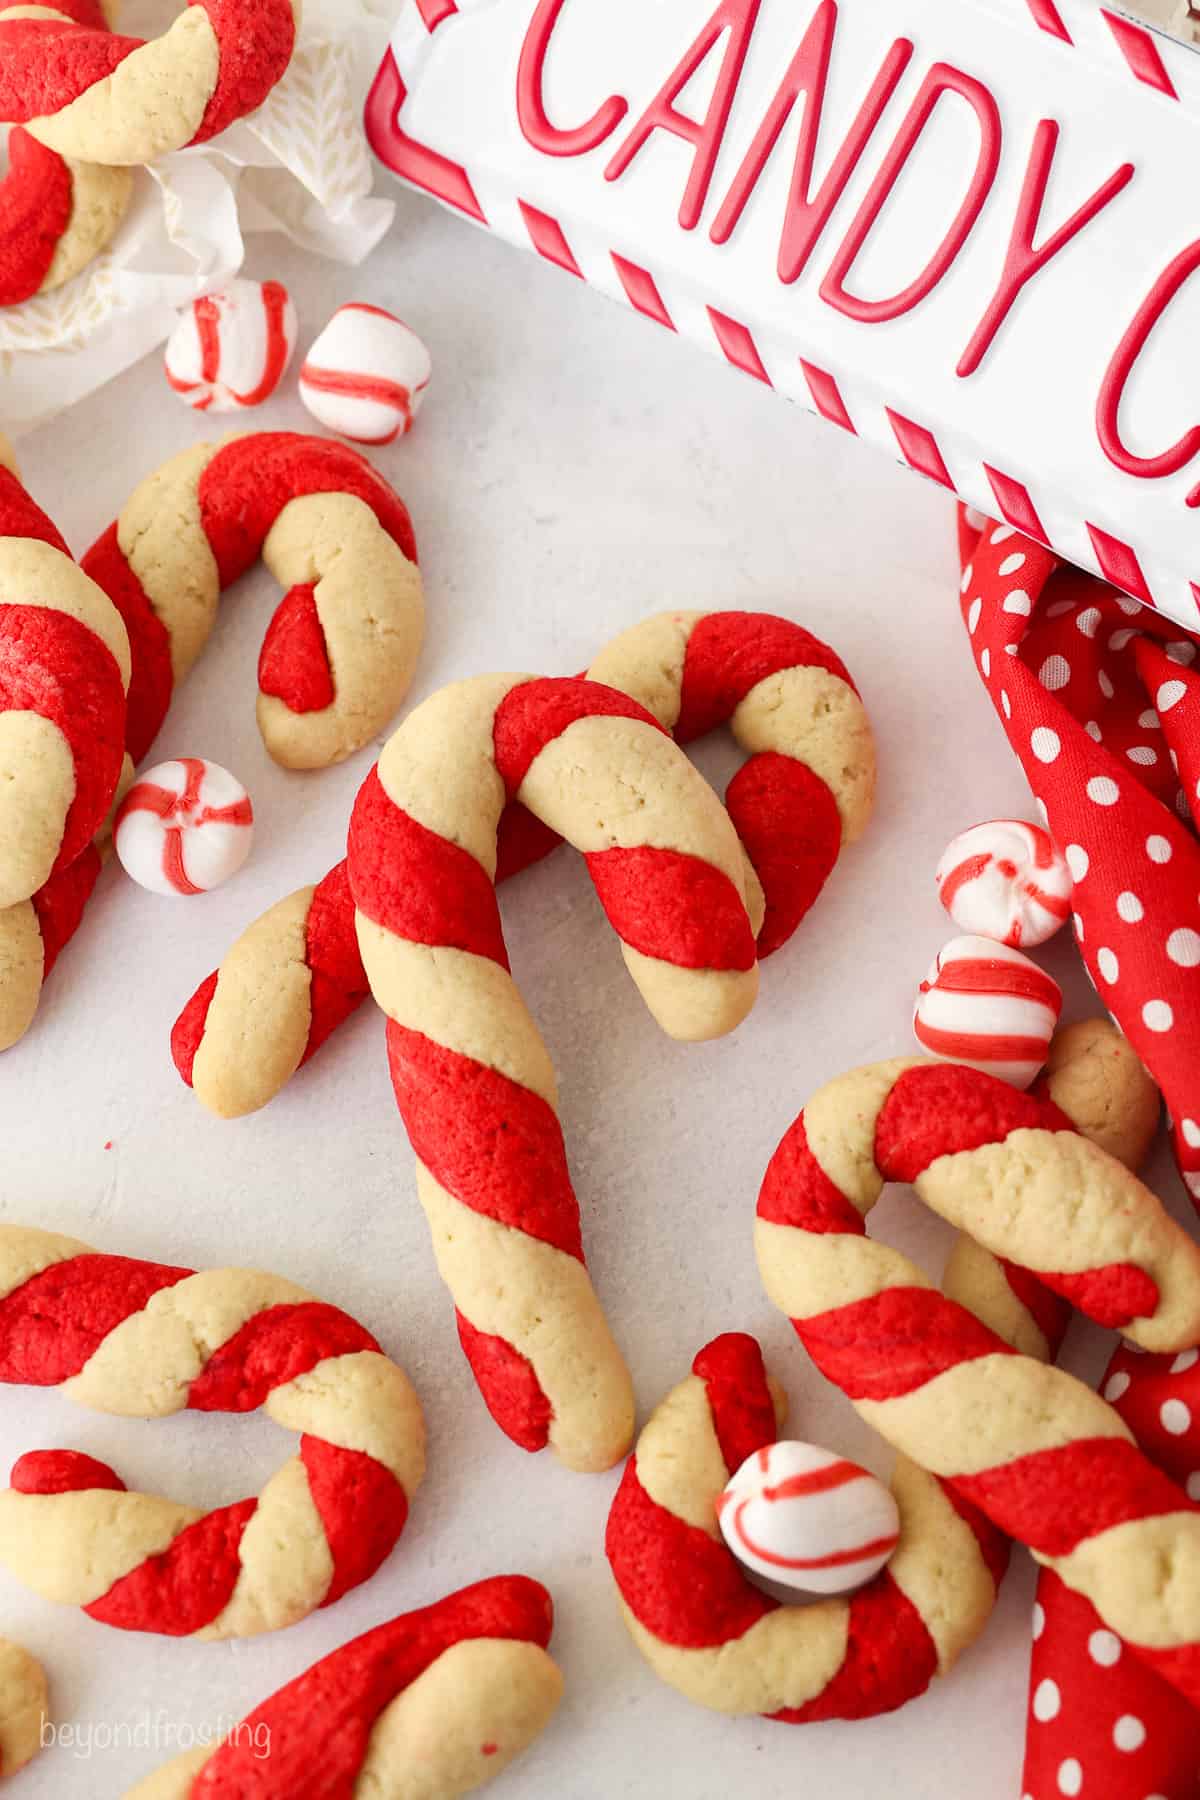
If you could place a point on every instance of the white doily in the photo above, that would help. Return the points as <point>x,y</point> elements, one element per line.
<point>300,166</point>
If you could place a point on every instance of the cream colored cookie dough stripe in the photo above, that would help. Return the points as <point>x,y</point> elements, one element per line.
<point>607,784</point>
<point>679,1460</point>
<point>938,1566</point>
<point>99,201</point>
<point>462,1722</point>
<point>816,717</point>
<point>37,788</point>
<point>257,1025</point>
<point>22,961</point>
<point>541,1301</point>
<point>465,1003</point>
<point>1142,1577</point>
<point>983,1414</point>
<point>146,1364</point>
<point>174,1781</point>
<point>25,1252</point>
<point>359,1401</point>
<point>976,1279</point>
<point>153,102</point>
<point>285,1563</point>
<point>1057,1203</point>
<point>335,541</point>
<point>162,538</point>
<point>805,1273</point>
<point>23,1706</point>
<point>71,1548</point>
<point>646,662</point>
<point>439,766</point>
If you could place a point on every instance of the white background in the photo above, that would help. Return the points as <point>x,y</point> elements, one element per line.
<point>575,469</point>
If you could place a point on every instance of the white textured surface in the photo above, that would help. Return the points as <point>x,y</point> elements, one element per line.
<point>574,470</point>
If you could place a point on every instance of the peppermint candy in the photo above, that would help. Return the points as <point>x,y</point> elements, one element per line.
<point>366,375</point>
<point>184,828</point>
<point>1007,881</point>
<point>230,350</point>
<point>808,1519</point>
<point>986,1005</point>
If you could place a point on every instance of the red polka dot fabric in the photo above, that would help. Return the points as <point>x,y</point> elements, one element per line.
<point>1100,701</point>
<point>1102,1724</point>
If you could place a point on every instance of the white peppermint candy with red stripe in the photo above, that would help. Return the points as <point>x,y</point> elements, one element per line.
<point>184,828</point>
<point>366,375</point>
<point>1006,880</point>
<point>986,1005</point>
<point>808,1519</point>
<point>230,350</point>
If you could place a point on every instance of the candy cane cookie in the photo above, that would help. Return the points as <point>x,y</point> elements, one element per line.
<point>472,1077</point>
<point>92,95</point>
<point>23,1706</point>
<point>703,1627</point>
<point>1045,1459</point>
<point>804,793</point>
<point>340,651</point>
<point>64,673</point>
<point>435,1703</point>
<point>144,1340</point>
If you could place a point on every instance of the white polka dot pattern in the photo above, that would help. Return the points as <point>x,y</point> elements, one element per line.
<point>1102,707</point>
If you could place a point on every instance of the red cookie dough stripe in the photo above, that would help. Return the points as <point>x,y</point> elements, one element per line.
<point>496,1146</point>
<point>53,665</point>
<point>890,1659</point>
<point>534,713</point>
<point>152,682</point>
<point>293,663</point>
<point>797,1191</point>
<point>37,197</point>
<point>59,906</point>
<point>256,42</point>
<point>1055,1500</point>
<point>735,1380</point>
<point>509,1386</point>
<point>323,1720</point>
<point>339,981</point>
<point>362,1507</point>
<point>47,63</point>
<point>21,517</point>
<point>788,821</point>
<point>935,1111</point>
<point>272,1348</point>
<point>681,1584</point>
<point>188,1585</point>
<point>247,484</point>
<point>895,1342</point>
<point>52,1323</point>
<point>416,883</point>
<point>674,907</point>
<point>729,653</point>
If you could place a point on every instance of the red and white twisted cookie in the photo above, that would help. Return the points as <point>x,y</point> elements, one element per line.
<point>340,651</point>
<point>806,791</point>
<point>55,215</point>
<point>1045,1459</point>
<point>23,1706</point>
<point>709,1632</point>
<point>90,94</point>
<point>694,1614</point>
<point>472,1077</point>
<point>64,672</point>
<point>435,1703</point>
<point>144,1340</point>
